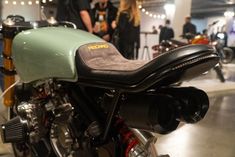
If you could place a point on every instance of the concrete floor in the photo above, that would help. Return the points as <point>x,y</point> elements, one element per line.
<point>214,136</point>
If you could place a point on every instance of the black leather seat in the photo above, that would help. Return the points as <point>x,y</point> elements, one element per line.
<point>100,64</point>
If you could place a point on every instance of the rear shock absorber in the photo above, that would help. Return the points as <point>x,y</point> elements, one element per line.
<point>134,148</point>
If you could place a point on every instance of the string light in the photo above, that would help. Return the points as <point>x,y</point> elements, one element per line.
<point>163,16</point>
<point>23,2</point>
<point>229,14</point>
<point>159,16</point>
<point>44,1</point>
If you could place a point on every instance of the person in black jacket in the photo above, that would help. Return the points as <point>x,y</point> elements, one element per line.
<point>166,32</point>
<point>76,11</point>
<point>188,27</point>
<point>128,26</point>
<point>104,14</point>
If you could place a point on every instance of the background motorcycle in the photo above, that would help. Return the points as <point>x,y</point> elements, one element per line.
<point>77,96</point>
<point>226,53</point>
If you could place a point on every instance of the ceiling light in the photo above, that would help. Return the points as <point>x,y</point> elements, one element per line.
<point>37,2</point>
<point>228,13</point>
<point>14,2</point>
<point>230,1</point>
<point>30,2</point>
<point>143,10</point>
<point>22,2</point>
<point>140,6</point>
<point>44,1</point>
<point>169,7</point>
<point>6,2</point>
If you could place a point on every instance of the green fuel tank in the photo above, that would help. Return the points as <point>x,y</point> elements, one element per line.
<point>48,52</point>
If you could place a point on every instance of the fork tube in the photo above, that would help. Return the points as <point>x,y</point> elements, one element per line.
<point>8,35</point>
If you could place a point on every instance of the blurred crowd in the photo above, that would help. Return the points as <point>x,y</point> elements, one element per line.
<point>121,26</point>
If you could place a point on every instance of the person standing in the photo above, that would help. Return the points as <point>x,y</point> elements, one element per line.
<point>128,27</point>
<point>188,27</point>
<point>76,11</point>
<point>104,13</point>
<point>166,32</point>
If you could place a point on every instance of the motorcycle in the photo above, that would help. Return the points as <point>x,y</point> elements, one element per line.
<point>78,96</point>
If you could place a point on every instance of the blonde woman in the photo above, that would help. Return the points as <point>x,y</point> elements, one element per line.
<point>128,26</point>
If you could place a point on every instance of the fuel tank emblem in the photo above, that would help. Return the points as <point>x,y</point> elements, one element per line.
<point>98,46</point>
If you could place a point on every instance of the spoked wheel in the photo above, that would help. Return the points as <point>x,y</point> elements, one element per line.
<point>227,55</point>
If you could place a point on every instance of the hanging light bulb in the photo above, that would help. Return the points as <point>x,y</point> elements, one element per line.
<point>14,2</point>
<point>44,1</point>
<point>22,2</point>
<point>152,15</point>
<point>30,2</point>
<point>6,2</point>
<point>37,2</point>
<point>229,14</point>
<point>163,16</point>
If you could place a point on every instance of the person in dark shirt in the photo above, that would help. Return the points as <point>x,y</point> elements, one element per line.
<point>128,26</point>
<point>188,27</point>
<point>76,11</point>
<point>104,13</point>
<point>62,10</point>
<point>166,32</point>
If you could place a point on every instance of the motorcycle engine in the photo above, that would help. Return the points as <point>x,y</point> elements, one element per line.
<point>45,110</point>
<point>28,124</point>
